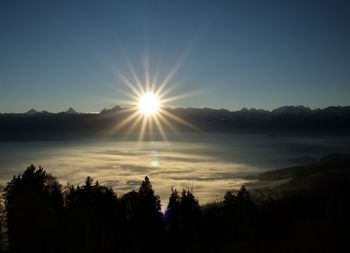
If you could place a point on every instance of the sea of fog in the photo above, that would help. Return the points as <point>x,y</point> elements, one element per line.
<point>209,163</point>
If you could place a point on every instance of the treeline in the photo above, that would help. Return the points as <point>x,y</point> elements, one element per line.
<point>43,216</point>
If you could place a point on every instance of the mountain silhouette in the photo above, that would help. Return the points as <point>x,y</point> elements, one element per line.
<point>285,119</point>
<point>32,111</point>
<point>292,110</point>
<point>71,111</point>
<point>114,109</point>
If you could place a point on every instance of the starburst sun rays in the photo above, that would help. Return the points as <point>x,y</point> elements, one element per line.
<point>148,104</point>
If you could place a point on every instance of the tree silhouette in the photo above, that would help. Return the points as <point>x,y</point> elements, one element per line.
<point>149,217</point>
<point>245,214</point>
<point>190,210</point>
<point>190,217</point>
<point>148,200</point>
<point>91,218</point>
<point>129,236</point>
<point>33,203</point>
<point>172,213</point>
<point>243,195</point>
<point>230,201</point>
<point>2,222</point>
<point>172,218</point>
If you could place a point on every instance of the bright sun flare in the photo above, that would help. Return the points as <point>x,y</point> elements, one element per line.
<point>149,104</point>
<point>147,112</point>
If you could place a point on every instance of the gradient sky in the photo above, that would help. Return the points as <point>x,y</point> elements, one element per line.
<point>263,54</point>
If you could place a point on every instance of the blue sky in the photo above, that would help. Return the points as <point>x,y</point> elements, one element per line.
<point>233,54</point>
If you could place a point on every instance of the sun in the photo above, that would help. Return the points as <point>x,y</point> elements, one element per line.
<point>149,104</point>
<point>149,110</point>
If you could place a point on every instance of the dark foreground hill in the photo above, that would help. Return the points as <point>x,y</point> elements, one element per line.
<point>325,172</point>
<point>43,216</point>
<point>70,124</point>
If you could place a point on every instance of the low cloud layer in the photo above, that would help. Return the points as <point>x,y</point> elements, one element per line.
<point>209,167</point>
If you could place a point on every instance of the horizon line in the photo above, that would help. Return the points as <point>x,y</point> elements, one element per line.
<point>175,108</point>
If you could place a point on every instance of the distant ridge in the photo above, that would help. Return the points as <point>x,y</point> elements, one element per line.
<point>71,111</point>
<point>292,110</point>
<point>283,120</point>
<point>32,111</point>
<point>114,109</point>
<point>288,110</point>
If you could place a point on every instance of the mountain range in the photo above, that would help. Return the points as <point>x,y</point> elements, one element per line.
<point>286,119</point>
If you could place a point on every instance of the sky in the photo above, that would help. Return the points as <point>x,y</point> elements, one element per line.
<point>225,54</point>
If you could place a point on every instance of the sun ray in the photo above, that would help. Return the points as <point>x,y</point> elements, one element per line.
<point>150,128</point>
<point>142,130</point>
<point>132,127</point>
<point>164,120</point>
<point>136,77</point>
<point>147,78</point>
<point>161,130</point>
<point>149,99</point>
<point>128,83</point>
<point>154,80</point>
<point>180,120</point>
<point>125,122</point>
<point>169,76</point>
<point>179,97</point>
